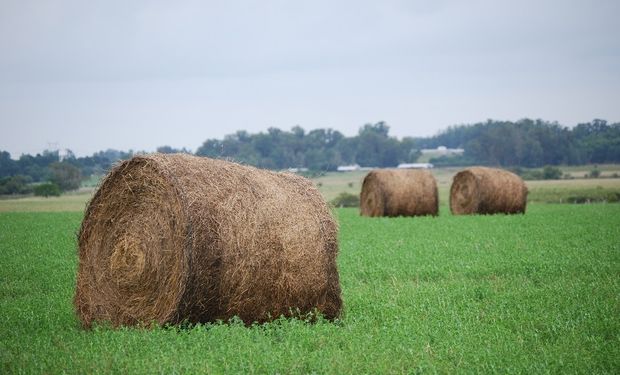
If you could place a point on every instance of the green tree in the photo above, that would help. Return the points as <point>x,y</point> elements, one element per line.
<point>595,173</point>
<point>8,166</point>
<point>409,152</point>
<point>375,148</point>
<point>551,173</point>
<point>65,176</point>
<point>172,150</point>
<point>17,184</point>
<point>47,189</point>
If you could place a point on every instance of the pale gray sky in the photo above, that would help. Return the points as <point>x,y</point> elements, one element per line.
<point>91,75</point>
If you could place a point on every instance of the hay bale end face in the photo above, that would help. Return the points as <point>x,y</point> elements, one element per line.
<point>172,238</point>
<point>399,192</point>
<point>481,190</point>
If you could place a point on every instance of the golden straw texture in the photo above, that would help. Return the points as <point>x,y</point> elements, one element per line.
<point>481,190</point>
<point>172,238</point>
<point>399,192</point>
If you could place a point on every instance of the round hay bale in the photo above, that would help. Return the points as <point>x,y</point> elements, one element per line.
<point>481,190</point>
<point>399,192</point>
<point>173,238</point>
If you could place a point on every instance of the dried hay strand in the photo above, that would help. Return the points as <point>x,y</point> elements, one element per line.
<point>481,190</point>
<point>399,192</point>
<point>174,238</point>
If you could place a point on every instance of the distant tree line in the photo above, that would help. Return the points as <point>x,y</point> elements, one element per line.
<point>38,167</point>
<point>525,143</point>
<point>319,149</point>
<point>49,174</point>
<point>529,143</point>
<point>46,174</point>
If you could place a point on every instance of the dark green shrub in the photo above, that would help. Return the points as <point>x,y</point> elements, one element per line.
<point>577,199</point>
<point>346,200</point>
<point>65,176</point>
<point>548,173</point>
<point>551,173</point>
<point>613,197</point>
<point>48,189</point>
<point>595,173</point>
<point>17,184</point>
<point>610,197</point>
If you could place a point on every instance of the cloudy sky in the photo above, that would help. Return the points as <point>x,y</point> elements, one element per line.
<point>92,75</point>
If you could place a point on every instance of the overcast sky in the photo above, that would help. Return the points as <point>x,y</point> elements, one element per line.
<point>92,75</point>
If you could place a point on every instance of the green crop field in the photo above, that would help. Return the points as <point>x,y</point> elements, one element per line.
<point>533,293</point>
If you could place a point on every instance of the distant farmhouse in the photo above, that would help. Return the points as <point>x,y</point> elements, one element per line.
<point>415,166</point>
<point>443,150</point>
<point>348,168</point>
<point>297,170</point>
<point>430,152</point>
<point>356,167</point>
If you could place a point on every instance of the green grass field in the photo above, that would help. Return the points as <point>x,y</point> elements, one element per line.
<point>533,293</point>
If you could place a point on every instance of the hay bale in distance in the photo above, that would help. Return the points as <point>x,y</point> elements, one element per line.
<point>172,238</point>
<point>399,192</point>
<point>481,190</point>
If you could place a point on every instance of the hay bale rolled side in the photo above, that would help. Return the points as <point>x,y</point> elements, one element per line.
<point>399,192</point>
<point>481,190</point>
<point>172,238</point>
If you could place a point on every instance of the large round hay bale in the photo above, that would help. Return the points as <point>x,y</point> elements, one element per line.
<point>399,192</point>
<point>173,238</point>
<point>481,190</point>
